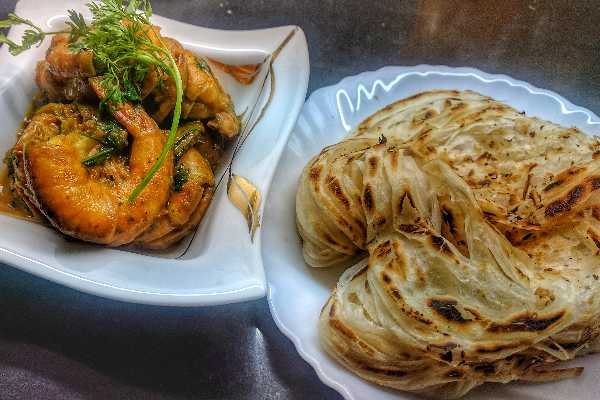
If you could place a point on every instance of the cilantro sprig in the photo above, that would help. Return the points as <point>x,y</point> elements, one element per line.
<point>114,141</point>
<point>32,35</point>
<point>124,49</point>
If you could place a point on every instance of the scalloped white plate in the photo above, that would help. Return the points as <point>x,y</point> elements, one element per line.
<point>297,292</point>
<point>217,265</point>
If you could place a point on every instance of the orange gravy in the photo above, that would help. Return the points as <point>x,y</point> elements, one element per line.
<point>7,201</point>
<point>244,74</point>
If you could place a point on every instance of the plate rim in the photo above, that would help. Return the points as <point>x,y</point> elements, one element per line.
<point>567,107</point>
<point>249,288</point>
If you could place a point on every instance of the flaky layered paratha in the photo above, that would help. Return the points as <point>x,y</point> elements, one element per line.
<point>481,232</point>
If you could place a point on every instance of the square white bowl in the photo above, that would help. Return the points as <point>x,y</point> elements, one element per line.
<point>218,264</point>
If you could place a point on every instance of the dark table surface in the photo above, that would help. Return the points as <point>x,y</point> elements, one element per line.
<point>59,343</point>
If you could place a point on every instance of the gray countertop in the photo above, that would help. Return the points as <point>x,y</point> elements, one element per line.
<point>58,343</point>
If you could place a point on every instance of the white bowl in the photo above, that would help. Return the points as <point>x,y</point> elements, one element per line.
<point>220,264</point>
<point>297,292</point>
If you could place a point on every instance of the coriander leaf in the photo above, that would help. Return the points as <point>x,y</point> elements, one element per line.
<point>180,177</point>
<point>200,63</point>
<point>78,26</point>
<point>31,36</point>
<point>99,157</point>
<point>190,134</point>
<point>14,19</point>
<point>116,137</point>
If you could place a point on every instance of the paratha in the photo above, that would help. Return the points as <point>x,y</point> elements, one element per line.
<point>480,230</point>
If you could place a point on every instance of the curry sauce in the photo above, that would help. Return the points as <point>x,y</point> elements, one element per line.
<point>9,204</point>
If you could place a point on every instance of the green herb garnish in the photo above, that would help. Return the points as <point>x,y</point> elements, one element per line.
<point>32,35</point>
<point>114,141</point>
<point>188,135</point>
<point>9,160</point>
<point>116,137</point>
<point>99,157</point>
<point>200,63</point>
<point>119,38</point>
<point>181,176</point>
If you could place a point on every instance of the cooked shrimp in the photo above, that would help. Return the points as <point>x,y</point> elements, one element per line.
<point>44,124</point>
<point>202,87</point>
<point>161,86</point>
<point>204,98</point>
<point>65,63</point>
<point>190,197</point>
<point>91,203</point>
<point>176,235</point>
<point>63,74</point>
<point>192,189</point>
<point>47,83</point>
<point>193,134</point>
<point>226,123</point>
<point>195,111</point>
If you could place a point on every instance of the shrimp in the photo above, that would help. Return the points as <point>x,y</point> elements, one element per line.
<point>47,83</point>
<point>204,98</point>
<point>44,124</point>
<point>161,86</point>
<point>194,134</point>
<point>91,203</point>
<point>64,63</point>
<point>63,74</point>
<point>192,189</point>
<point>203,88</point>
<point>187,204</point>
